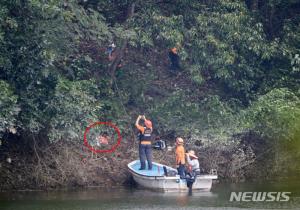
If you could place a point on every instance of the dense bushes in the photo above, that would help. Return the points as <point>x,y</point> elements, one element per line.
<point>9,109</point>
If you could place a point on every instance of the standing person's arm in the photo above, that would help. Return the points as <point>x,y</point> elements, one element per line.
<point>137,120</point>
<point>141,128</point>
<point>189,159</point>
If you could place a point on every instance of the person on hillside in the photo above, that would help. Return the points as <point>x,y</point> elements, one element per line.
<point>145,151</point>
<point>110,51</point>
<point>180,157</point>
<point>112,56</point>
<point>174,59</point>
<point>193,163</point>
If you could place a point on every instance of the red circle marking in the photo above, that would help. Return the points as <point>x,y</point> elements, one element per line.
<point>113,148</point>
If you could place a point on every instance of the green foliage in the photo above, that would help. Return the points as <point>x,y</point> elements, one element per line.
<point>9,108</point>
<point>211,120</point>
<point>73,107</point>
<point>153,27</point>
<point>240,66</point>
<point>226,42</point>
<point>43,43</point>
<point>196,74</point>
<point>276,115</point>
<point>231,46</point>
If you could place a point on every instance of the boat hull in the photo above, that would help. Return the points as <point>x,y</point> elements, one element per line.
<point>170,183</point>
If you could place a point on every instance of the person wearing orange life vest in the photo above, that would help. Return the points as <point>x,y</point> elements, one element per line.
<point>180,157</point>
<point>145,147</point>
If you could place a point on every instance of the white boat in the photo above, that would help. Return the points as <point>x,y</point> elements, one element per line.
<point>157,179</point>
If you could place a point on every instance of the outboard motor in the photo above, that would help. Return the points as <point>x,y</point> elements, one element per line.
<point>169,172</point>
<point>160,145</point>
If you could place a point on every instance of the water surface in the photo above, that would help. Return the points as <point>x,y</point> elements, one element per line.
<point>124,198</point>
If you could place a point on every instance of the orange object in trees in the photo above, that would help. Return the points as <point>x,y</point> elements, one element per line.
<point>102,139</point>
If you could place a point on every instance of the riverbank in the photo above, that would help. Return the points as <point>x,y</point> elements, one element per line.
<point>72,166</point>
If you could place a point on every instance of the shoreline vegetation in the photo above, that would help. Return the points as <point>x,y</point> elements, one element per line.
<point>233,95</point>
<point>68,166</point>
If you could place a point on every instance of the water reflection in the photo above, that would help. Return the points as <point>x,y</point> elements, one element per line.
<point>144,199</point>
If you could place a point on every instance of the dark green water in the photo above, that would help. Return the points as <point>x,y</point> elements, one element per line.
<point>95,199</point>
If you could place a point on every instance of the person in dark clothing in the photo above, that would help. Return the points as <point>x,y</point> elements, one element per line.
<point>145,147</point>
<point>174,59</point>
<point>110,50</point>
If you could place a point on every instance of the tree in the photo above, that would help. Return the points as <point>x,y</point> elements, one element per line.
<point>9,109</point>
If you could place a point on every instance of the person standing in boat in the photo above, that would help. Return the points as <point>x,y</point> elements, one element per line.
<point>193,163</point>
<point>145,147</point>
<point>180,157</point>
<point>193,169</point>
